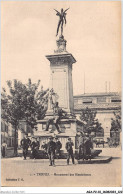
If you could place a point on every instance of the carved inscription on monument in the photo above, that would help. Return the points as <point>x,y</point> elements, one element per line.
<point>59,84</point>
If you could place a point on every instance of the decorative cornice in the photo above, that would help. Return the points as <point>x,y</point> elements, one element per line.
<point>61,58</point>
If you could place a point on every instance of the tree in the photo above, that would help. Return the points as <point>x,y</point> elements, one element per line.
<point>91,124</point>
<point>24,101</point>
<point>116,121</point>
<point>35,103</point>
<point>12,107</point>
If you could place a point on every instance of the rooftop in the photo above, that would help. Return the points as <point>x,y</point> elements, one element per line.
<point>98,94</point>
<point>108,106</point>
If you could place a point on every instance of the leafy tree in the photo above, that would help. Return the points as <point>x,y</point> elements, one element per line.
<point>24,102</point>
<point>91,124</point>
<point>116,122</point>
<point>12,107</point>
<point>35,103</point>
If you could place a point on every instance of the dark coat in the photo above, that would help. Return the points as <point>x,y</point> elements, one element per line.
<point>51,147</point>
<point>38,144</point>
<point>69,146</point>
<point>88,146</point>
<point>58,145</point>
<point>25,143</point>
<point>44,146</point>
<point>34,145</point>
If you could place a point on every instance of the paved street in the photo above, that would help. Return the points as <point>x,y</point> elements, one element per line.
<point>18,172</point>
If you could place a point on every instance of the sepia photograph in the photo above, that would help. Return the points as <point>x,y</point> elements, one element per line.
<point>61,94</point>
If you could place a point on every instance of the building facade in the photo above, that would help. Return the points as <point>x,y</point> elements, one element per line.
<point>7,134</point>
<point>104,103</point>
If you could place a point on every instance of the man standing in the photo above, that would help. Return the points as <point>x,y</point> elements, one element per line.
<point>25,143</point>
<point>69,149</point>
<point>81,146</point>
<point>3,148</point>
<point>44,147</point>
<point>38,142</point>
<point>51,146</point>
<point>58,147</point>
<point>34,147</point>
<point>88,147</point>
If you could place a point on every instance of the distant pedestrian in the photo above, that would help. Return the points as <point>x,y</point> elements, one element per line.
<point>44,147</point>
<point>3,148</point>
<point>58,147</point>
<point>34,148</point>
<point>51,147</point>
<point>25,143</point>
<point>81,147</point>
<point>88,146</point>
<point>69,149</point>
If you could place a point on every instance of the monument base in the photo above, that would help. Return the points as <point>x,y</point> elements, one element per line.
<point>68,128</point>
<point>97,160</point>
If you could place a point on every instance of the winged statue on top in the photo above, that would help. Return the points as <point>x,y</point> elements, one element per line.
<point>62,20</point>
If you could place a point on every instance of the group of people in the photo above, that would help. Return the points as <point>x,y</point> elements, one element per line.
<point>33,144</point>
<point>85,146</point>
<point>52,149</point>
<point>57,146</point>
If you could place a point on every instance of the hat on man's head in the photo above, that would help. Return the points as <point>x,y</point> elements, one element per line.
<point>69,138</point>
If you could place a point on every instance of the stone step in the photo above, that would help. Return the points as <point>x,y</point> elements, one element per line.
<point>97,160</point>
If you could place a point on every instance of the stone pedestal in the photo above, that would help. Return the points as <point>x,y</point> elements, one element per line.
<point>68,127</point>
<point>61,45</point>
<point>61,76</point>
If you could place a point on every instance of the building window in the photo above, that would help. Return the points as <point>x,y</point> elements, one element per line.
<point>87,102</point>
<point>101,100</point>
<point>115,100</point>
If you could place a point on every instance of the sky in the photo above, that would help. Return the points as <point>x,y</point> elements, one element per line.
<point>93,34</point>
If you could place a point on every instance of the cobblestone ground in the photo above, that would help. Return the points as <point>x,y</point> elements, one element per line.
<point>19,172</point>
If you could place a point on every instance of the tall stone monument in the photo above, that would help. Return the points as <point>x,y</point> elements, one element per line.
<point>61,75</point>
<point>61,82</point>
